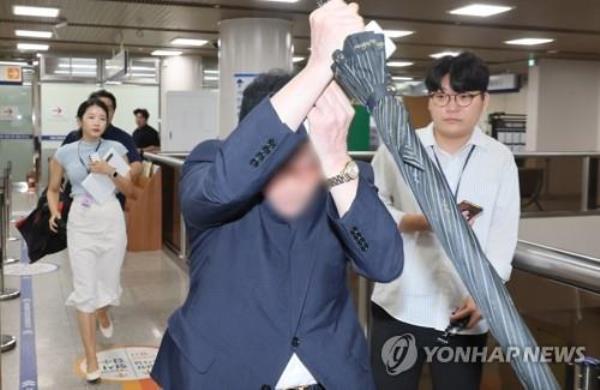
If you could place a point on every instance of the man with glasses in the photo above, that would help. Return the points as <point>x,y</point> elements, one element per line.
<point>428,306</point>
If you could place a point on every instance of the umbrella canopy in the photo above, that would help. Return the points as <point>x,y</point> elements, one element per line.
<point>360,69</point>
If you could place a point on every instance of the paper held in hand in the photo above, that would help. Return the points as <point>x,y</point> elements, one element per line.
<point>100,186</point>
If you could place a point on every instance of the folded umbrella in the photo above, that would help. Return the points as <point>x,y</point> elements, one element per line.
<point>361,71</point>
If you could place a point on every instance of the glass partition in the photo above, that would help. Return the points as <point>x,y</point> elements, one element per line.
<point>16,129</point>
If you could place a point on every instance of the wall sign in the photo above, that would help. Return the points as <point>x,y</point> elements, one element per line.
<point>11,74</point>
<point>9,113</point>
<point>241,81</point>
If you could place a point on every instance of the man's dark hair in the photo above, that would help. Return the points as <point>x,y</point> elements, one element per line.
<point>265,84</point>
<point>103,93</point>
<point>467,73</point>
<point>143,112</point>
<point>91,102</point>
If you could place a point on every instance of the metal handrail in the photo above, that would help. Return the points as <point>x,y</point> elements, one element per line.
<point>169,159</point>
<point>559,265</point>
<point>557,154</point>
<point>164,159</point>
<point>571,268</point>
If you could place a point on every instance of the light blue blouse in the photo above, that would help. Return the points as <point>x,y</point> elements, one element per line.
<point>75,159</point>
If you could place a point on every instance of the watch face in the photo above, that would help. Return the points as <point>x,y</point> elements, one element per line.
<point>352,170</point>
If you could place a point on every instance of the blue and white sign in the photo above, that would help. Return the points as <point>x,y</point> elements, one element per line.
<point>241,80</point>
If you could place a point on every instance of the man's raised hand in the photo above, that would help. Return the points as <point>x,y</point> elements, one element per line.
<point>329,26</point>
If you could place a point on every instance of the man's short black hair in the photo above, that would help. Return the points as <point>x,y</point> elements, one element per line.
<point>467,73</point>
<point>103,93</point>
<point>265,84</point>
<point>143,112</point>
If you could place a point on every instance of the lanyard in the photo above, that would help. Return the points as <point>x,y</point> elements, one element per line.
<point>87,168</point>
<point>437,161</point>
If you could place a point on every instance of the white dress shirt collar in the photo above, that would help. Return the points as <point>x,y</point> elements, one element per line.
<point>428,138</point>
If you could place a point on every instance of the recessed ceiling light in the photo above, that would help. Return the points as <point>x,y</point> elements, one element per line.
<point>44,12</point>
<point>444,54</point>
<point>297,59</point>
<point>211,78</point>
<point>188,42</point>
<point>481,10</point>
<point>211,71</point>
<point>79,66</point>
<point>33,34</point>
<point>143,69</point>
<point>32,46</point>
<point>399,64</point>
<point>14,63</point>
<point>166,53</point>
<point>529,41</point>
<point>394,34</point>
<point>402,78</point>
<point>76,72</point>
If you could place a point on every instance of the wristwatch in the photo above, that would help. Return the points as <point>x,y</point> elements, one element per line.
<point>349,173</point>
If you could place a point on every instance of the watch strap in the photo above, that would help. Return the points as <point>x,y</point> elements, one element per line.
<point>338,179</point>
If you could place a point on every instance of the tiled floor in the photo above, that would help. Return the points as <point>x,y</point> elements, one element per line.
<point>153,286</point>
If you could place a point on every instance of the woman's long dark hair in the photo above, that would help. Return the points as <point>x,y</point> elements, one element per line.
<point>91,102</point>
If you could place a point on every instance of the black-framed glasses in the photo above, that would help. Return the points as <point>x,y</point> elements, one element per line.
<point>442,99</point>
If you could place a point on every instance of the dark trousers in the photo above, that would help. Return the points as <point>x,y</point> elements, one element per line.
<point>398,353</point>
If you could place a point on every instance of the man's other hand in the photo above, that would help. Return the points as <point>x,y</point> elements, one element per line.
<point>329,122</point>
<point>469,309</point>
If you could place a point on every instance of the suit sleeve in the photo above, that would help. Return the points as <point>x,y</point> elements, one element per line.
<point>368,232</point>
<point>221,179</point>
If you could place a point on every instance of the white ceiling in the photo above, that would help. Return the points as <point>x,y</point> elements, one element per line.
<point>144,25</point>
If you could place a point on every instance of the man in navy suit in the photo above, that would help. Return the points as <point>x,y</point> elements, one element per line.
<point>275,213</point>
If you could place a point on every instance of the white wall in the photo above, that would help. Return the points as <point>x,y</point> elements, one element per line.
<point>59,103</point>
<point>576,234</point>
<point>564,107</point>
<point>129,97</point>
<point>510,103</point>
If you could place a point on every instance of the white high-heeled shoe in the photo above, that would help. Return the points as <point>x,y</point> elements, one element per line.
<point>109,330</point>
<point>93,377</point>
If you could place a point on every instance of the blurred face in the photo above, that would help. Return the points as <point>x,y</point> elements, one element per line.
<point>455,115</point>
<point>140,121</point>
<point>93,123</point>
<point>111,108</point>
<point>292,189</point>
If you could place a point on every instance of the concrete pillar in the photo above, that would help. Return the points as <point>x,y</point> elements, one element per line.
<point>178,73</point>
<point>248,46</point>
<point>563,106</point>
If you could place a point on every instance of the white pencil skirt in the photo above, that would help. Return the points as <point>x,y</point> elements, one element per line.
<point>96,242</point>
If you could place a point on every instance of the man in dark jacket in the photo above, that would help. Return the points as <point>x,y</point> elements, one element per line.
<point>268,306</point>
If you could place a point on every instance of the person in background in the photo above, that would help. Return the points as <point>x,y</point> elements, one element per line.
<point>96,238</point>
<point>115,134</point>
<point>273,222</point>
<point>145,137</point>
<point>482,174</point>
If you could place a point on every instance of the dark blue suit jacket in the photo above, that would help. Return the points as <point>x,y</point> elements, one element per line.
<point>262,287</point>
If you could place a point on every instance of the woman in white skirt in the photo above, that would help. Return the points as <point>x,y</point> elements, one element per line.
<point>96,236</point>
